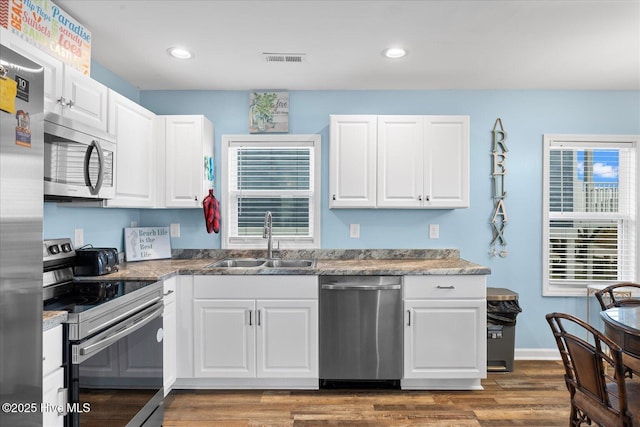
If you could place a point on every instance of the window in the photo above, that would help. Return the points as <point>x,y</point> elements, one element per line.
<point>589,212</point>
<point>277,173</point>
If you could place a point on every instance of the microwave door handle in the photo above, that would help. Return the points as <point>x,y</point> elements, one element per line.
<point>87,157</point>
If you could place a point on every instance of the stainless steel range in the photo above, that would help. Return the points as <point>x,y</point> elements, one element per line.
<point>113,343</point>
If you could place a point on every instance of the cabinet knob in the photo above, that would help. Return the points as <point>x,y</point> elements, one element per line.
<point>427,198</point>
<point>70,104</point>
<point>61,101</point>
<point>334,197</point>
<point>420,198</point>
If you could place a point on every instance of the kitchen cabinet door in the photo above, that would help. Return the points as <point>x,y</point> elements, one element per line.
<point>224,338</point>
<point>400,161</point>
<point>53,391</point>
<point>446,160</point>
<point>353,154</point>
<point>85,100</point>
<point>136,153</point>
<point>287,338</point>
<point>442,339</point>
<point>188,141</point>
<point>169,352</point>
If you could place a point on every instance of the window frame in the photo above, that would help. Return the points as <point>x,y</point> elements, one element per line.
<point>304,140</point>
<point>554,141</point>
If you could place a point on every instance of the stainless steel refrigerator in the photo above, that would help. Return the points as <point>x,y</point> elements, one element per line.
<point>21,206</point>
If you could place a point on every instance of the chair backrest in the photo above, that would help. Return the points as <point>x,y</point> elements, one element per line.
<point>610,296</point>
<point>594,373</point>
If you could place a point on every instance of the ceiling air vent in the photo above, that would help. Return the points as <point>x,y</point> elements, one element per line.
<point>285,58</point>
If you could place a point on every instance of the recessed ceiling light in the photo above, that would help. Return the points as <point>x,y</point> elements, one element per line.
<point>394,52</point>
<point>180,53</point>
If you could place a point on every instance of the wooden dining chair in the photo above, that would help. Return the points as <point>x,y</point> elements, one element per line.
<point>594,375</point>
<point>611,295</point>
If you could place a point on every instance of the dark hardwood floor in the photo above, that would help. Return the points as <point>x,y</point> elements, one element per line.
<point>533,395</point>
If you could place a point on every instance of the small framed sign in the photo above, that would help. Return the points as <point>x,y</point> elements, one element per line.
<point>268,112</point>
<point>144,243</point>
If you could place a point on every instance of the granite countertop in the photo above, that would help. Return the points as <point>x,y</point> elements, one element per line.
<point>328,262</point>
<point>336,263</point>
<point>51,319</point>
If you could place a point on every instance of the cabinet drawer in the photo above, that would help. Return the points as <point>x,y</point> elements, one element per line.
<point>255,287</point>
<point>51,349</point>
<point>445,286</point>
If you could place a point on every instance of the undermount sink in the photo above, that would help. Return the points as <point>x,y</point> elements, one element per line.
<point>261,262</point>
<point>237,262</point>
<point>283,263</point>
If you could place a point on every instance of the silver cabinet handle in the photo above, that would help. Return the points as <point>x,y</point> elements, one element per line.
<point>445,287</point>
<point>70,104</point>
<point>168,293</point>
<point>409,321</point>
<point>250,315</point>
<point>259,317</point>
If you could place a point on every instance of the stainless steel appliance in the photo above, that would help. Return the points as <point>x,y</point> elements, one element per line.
<point>361,330</point>
<point>79,161</point>
<point>21,162</point>
<point>113,343</point>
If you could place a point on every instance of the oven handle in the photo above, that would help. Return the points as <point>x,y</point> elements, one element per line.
<point>84,352</point>
<point>124,315</point>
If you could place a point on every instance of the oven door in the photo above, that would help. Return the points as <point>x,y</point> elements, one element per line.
<point>116,375</point>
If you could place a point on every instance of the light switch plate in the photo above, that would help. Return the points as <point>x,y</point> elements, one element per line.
<point>175,230</point>
<point>78,237</point>
<point>354,231</point>
<point>434,231</point>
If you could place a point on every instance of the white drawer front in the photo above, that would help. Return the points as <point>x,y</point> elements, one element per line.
<point>445,286</point>
<point>255,287</point>
<point>51,349</point>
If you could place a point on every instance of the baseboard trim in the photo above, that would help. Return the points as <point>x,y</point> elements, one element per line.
<point>536,354</point>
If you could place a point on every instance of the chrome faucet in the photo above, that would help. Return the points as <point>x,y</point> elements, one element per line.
<point>267,231</point>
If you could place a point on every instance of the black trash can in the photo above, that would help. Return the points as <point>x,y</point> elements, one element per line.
<point>502,309</point>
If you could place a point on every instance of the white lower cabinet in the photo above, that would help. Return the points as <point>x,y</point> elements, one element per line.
<point>251,331</point>
<point>53,391</point>
<point>445,332</point>
<point>169,342</point>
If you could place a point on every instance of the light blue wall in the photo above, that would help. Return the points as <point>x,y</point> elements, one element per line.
<point>526,116</point>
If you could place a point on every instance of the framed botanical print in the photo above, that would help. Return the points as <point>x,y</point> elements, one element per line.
<point>268,112</point>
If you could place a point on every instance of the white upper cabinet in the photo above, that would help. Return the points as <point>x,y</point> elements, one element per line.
<point>353,161</point>
<point>67,92</point>
<point>83,99</point>
<point>400,162</point>
<point>188,141</point>
<point>136,161</point>
<point>446,159</point>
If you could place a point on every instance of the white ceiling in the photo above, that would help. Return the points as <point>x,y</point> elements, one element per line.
<point>452,44</point>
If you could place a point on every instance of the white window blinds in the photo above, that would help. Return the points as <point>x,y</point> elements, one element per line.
<point>590,212</point>
<point>276,176</point>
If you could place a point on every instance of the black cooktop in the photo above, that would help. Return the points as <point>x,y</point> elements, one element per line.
<point>81,296</point>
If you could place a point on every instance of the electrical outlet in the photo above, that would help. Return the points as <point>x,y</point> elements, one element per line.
<point>434,231</point>
<point>78,237</point>
<point>354,231</point>
<point>175,230</point>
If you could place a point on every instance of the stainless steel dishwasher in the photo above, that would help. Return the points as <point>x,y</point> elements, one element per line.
<point>361,330</point>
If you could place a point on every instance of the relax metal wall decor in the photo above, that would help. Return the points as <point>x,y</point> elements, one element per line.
<point>499,218</point>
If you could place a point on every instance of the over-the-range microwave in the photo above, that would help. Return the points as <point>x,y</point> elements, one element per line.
<point>79,161</point>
